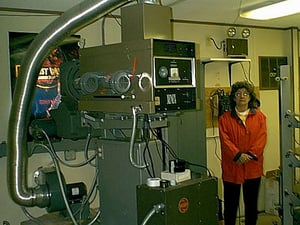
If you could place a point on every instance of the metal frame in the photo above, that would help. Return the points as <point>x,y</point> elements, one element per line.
<point>288,199</point>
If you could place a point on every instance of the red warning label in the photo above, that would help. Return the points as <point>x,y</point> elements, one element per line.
<point>183,205</point>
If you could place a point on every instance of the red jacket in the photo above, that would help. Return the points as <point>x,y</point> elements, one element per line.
<point>236,138</point>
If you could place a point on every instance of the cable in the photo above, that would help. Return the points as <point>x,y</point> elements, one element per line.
<point>238,12</point>
<point>205,167</point>
<point>248,78</point>
<point>91,191</point>
<point>173,154</point>
<point>157,150</point>
<point>134,109</point>
<point>56,161</point>
<point>216,45</point>
<point>83,163</point>
<point>214,104</point>
<point>103,29</point>
<point>95,217</point>
<point>116,19</point>
<point>61,185</point>
<point>169,148</point>
<point>156,209</point>
<point>86,150</point>
<point>30,217</point>
<point>58,172</point>
<point>145,138</point>
<point>216,93</point>
<point>216,143</point>
<point>147,150</point>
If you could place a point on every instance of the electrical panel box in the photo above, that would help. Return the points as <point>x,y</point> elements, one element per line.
<point>236,47</point>
<point>193,202</point>
<point>269,69</point>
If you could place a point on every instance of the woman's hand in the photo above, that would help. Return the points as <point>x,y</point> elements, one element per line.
<point>243,159</point>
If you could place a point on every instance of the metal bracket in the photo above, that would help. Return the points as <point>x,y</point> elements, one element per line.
<point>295,162</point>
<point>292,119</point>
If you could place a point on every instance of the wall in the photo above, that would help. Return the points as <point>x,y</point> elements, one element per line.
<point>262,42</point>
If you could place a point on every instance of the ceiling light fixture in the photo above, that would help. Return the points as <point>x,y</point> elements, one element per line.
<point>276,10</point>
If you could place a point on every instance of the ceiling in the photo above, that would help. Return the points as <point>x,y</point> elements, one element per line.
<point>210,11</point>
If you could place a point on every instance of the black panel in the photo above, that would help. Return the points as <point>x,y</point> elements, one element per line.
<point>236,47</point>
<point>182,71</point>
<point>172,99</point>
<point>188,203</point>
<point>173,48</point>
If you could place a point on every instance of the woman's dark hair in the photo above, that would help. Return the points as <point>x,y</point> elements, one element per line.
<point>253,103</point>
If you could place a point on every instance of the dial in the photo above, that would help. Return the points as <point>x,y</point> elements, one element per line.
<point>231,32</point>
<point>163,72</point>
<point>245,33</point>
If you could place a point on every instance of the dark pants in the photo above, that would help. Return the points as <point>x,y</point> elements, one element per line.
<point>232,197</point>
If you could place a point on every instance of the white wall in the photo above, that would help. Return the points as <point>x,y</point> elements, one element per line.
<point>262,42</point>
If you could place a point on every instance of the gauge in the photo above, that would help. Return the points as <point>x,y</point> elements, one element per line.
<point>163,72</point>
<point>245,33</point>
<point>120,82</point>
<point>231,32</point>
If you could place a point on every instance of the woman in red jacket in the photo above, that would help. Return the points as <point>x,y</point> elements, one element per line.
<point>243,136</point>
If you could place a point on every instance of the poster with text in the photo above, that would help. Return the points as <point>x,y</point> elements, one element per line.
<point>47,92</point>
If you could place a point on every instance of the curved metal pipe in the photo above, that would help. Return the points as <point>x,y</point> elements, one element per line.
<point>71,21</point>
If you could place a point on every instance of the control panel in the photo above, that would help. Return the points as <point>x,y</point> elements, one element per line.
<point>158,75</point>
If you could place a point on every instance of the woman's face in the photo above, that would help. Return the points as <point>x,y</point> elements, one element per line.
<point>242,98</point>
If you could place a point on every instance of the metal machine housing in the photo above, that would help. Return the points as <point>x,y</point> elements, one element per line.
<point>162,76</point>
<point>192,202</point>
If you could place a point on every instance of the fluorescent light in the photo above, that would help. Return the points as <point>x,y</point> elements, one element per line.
<point>276,10</point>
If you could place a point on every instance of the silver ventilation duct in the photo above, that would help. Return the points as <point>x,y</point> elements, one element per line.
<point>71,21</point>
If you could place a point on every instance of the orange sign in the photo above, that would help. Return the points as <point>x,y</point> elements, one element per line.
<point>183,205</point>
